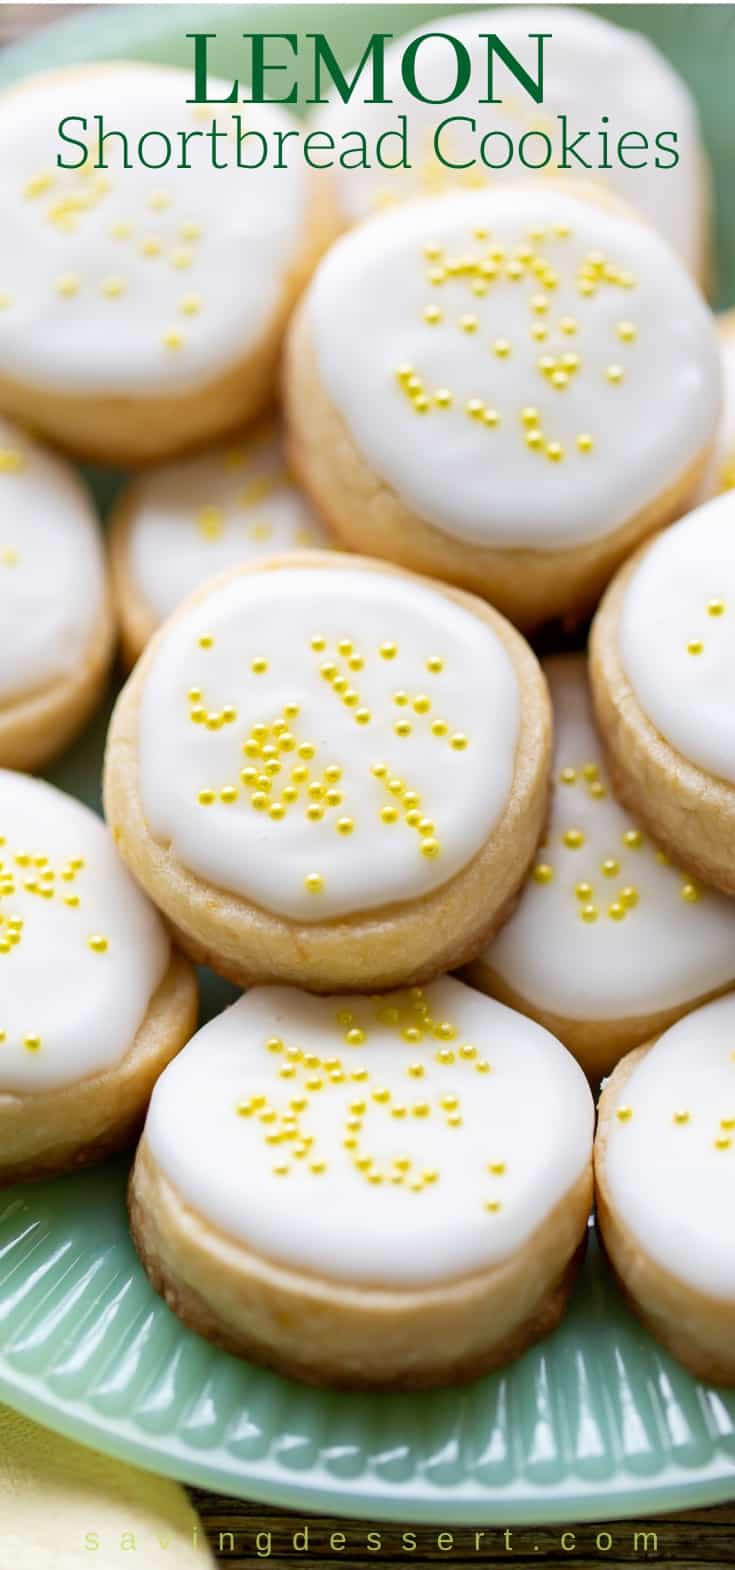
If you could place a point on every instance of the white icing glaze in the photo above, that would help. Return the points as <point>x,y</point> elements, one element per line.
<point>474,1112</point>
<point>639,936</point>
<point>198,517</point>
<point>67,1009</point>
<point>266,840</point>
<point>51,567</point>
<point>548,441</point>
<point>671,1156</point>
<point>676,635</point>
<point>135,280</point>
<point>591,68</point>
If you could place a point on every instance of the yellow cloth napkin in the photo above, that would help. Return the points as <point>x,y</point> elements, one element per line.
<point>63,1506</point>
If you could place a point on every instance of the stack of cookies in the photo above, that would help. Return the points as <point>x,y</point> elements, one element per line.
<point>381,444</point>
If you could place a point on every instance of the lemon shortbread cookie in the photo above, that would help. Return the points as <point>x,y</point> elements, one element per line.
<point>665,1177</point>
<point>93,999</point>
<point>720,472</point>
<point>176,526</point>
<point>610,943</point>
<point>141,309</point>
<point>598,80</point>
<point>662,658</point>
<point>331,773</point>
<point>529,387</point>
<point>411,1216</point>
<point>56,622</point>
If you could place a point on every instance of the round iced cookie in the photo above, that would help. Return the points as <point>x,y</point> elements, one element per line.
<point>411,1215</point>
<point>609,943</point>
<point>662,658</point>
<point>603,79</point>
<point>176,526</point>
<point>530,387</point>
<point>94,1002</point>
<point>665,1180</point>
<point>56,623</point>
<point>331,773</point>
<point>163,293</point>
<point>720,473</point>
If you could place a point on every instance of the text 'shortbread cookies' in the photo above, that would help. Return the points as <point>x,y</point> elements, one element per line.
<point>609,943</point>
<point>614,110</point>
<point>665,1177</point>
<point>662,660</point>
<point>331,772</point>
<point>163,293</point>
<point>529,387</point>
<point>93,1000</point>
<point>176,526</point>
<point>56,623</point>
<point>410,1214</point>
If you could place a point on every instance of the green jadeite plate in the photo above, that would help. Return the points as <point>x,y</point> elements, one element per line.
<point>593,1423</point>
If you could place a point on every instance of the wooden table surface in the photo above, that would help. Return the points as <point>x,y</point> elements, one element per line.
<point>243,1535</point>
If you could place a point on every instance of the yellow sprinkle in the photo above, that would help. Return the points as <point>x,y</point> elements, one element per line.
<point>682,1117</point>
<point>624,1114</point>
<point>67,285</point>
<point>32,1043</point>
<point>695,646</point>
<point>172,338</point>
<point>37,185</point>
<point>542,872</point>
<point>573,838</point>
<point>97,944</point>
<point>689,893</point>
<point>313,883</point>
<point>715,607</point>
